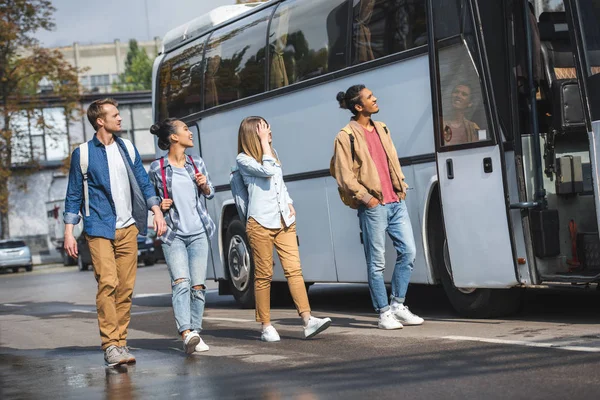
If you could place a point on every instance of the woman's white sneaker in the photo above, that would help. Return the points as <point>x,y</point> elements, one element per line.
<point>269,334</point>
<point>388,321</point>
<point>190,342</point>
<point>200,347</point>
<point>403,314</point>
<point>316,326</point>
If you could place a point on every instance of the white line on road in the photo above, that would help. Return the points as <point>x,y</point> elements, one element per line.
<point>83,311</point>
<point>13,305</point>
<point>524,343</point>
<point>144,295</point>
<point>227,319</point>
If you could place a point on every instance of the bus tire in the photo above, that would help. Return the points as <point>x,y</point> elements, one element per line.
<point>470,303</point>
<point>240,266</point>
<point>478,303</point>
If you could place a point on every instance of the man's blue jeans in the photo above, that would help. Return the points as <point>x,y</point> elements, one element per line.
<point>186,259</point>
<point>392,218</point>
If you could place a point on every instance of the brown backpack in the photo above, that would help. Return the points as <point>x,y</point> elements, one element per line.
<point>346,197</point>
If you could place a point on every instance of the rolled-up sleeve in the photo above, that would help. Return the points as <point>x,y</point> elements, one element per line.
<point>250,166</point>
<point>74,196</point>
<point>202,168</point>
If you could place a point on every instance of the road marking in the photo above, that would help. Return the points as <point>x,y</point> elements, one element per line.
<point>144,295</point>
<point>524,343</point>
<point>13,305</point>
<point>227,319</point>
<point>83,311</point>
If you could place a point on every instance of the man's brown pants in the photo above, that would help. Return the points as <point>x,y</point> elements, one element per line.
<point>115,267</point>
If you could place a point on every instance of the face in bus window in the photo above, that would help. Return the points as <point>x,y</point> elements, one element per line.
<point>461,97</point>
<point>368,102</point>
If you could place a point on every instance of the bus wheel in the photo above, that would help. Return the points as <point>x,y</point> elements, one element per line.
<point>477,303</point>
<point>239,264</point>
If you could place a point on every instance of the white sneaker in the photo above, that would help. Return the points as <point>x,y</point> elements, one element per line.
<point>200,347</point>
<point>403,314</point>
<point>269,334</point>
<point>190,342</point>
<point>316,326</point>
<point>388,321</point>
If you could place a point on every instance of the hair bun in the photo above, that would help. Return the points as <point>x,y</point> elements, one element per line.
<point>341,98</point>
<point>155,129</point>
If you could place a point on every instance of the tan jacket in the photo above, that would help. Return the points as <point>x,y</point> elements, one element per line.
<point>358,181</point>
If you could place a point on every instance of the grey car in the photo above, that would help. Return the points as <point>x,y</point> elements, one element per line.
<point>15,254</point>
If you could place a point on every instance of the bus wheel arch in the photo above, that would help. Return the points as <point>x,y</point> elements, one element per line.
<point>239,266</point>
<point>471,303</point>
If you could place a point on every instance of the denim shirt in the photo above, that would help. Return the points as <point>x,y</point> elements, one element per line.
<point>268,198</point>
<point>172,216</point>
<point>103,217</point>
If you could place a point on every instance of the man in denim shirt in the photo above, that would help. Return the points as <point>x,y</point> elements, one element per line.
<point>120,195</point>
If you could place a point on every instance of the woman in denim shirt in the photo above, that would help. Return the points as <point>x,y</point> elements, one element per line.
<point>271,221</point>
<point>180,180</point>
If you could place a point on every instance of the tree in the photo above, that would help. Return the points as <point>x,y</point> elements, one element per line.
<point>138,70</point>
<point>29,76</point>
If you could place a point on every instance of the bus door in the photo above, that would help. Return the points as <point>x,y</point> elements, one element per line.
<point>478,251</point>
<point>583,17</point>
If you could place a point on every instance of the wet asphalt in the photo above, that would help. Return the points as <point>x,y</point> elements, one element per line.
<point>49,347</point>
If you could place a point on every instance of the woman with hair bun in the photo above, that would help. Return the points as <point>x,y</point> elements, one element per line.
<point>181,181</point>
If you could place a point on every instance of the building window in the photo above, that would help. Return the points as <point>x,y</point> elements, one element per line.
<point>97,83</point>
<point>39,135</point>
<point>142,121</point>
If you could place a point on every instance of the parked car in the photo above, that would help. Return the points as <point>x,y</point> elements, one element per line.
<point>146,252</point>
<point>158,252</point>
<point>15,254</point>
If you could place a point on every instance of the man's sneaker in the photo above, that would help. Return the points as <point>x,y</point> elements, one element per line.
<point>200,347</point>
<point>269,334</point>
<point>113,356</point>
<point>127,354</point>
<point>388,321</point>
<point>403,314</point>
<point>190,342</point>
<point>316,326</point>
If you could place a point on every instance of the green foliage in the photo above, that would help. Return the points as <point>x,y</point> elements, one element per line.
<point>138,70</point>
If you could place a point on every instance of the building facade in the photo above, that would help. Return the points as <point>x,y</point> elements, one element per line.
<point>103,62</point>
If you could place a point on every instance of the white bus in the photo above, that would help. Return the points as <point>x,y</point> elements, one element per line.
<point>510,201</point>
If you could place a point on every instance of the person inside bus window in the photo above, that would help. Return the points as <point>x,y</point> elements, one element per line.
<point>457,128</point>
<point>362,32</point>
<point>368,173</point>
<point>182,181</point>
<point>271,222</point>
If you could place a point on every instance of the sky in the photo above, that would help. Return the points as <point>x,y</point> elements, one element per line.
<point>106,20</point>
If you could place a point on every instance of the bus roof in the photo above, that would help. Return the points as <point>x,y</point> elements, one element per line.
<point>202,24</point>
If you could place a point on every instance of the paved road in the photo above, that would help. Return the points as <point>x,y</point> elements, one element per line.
<point>49,347</point>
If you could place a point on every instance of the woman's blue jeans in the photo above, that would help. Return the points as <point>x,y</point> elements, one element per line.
<point>186,258</point>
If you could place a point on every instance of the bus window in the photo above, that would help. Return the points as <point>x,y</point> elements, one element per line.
<point>235,60</point>
<point>464,119</point>
<point>383,27</point>
<point>180,82</point>
<point>307,39</point>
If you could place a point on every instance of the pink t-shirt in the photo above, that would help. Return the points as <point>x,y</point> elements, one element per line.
<point>381,163</point>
